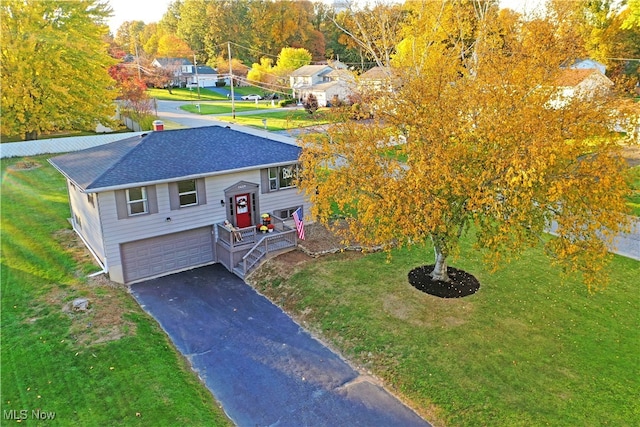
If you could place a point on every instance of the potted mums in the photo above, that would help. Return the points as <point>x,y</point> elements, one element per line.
<point>266,225</point>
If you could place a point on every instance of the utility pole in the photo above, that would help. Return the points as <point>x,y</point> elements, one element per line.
<point>135,44</point>
<point>195,64</point>
<point>233,98</point>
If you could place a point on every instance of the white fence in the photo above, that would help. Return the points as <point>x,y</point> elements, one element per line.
<point>60,145</point>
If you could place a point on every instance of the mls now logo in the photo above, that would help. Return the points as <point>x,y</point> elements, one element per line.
<point>24,414</point>
<point>14,414</point>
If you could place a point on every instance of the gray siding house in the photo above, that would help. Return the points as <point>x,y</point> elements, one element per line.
<point>181,68</point>
<point>156,204</point>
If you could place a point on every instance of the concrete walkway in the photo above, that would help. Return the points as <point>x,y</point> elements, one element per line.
<point>264,368</point>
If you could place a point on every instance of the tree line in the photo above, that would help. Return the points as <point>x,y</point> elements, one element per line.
<point>264,27</point>
<point>359,36</point>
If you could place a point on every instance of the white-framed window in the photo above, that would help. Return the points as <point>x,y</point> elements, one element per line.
<point>282,177</point>
<point>188,193</point>
<point>137,201</point>
<point>273,178</point>
<point>90,199</point>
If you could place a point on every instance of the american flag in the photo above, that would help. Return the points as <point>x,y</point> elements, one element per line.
<point>297,217</point>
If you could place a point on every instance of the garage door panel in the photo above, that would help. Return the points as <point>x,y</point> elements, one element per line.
<point>156,250</point>
<point>165,254</point>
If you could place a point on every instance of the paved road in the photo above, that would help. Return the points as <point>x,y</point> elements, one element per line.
<point>627,245</point>
<point>260,365</point>
<point>170,110</point>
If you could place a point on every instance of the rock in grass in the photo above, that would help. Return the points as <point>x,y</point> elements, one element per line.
<point>80,304</point>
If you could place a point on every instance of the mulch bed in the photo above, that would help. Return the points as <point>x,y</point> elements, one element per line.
<point>461,285</point>
<point>320,241</point>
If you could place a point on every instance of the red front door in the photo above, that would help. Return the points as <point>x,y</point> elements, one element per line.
<point>243,211</point>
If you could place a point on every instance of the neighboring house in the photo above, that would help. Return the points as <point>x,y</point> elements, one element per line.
<point>323,81</point>
<point>582,83</point>
<point>155,204</point>
<point>378,78</point>
<point>329,93</point>
<point>204,76</point>
<point>308,75</point>
<point>182,69</point>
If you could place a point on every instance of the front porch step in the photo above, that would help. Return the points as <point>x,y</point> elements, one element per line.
<point>238,271</point>
<point>259,255</point>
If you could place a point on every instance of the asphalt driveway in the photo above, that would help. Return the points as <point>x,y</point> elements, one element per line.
<point>260,365</point>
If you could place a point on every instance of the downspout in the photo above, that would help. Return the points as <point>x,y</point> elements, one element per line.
<point>95,256</point>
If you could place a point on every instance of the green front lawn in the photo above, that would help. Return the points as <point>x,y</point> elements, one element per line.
<point>225,107</point>
<point>280,120</point>
<point>525,350</point>
<point>184,94</point>
<point>111,365</point>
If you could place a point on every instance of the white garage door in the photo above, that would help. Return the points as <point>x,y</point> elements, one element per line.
<point>166,254</point>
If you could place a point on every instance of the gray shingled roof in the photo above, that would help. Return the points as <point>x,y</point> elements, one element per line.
<point>377,73</point>
<point>310,70</point>
<point>167,155</point>
<point>173,61</point>
<point>205,69</point>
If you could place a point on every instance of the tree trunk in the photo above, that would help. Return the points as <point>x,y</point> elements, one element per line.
<point>440,269</point>
<point>31,136</point>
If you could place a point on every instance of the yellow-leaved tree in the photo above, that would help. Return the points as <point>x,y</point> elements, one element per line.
<point>482,137</point>
<point>54,64</point>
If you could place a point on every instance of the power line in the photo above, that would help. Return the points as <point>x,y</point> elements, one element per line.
<point>265,86</point>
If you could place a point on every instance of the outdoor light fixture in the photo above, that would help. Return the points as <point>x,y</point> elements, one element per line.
<point>168,219</point>
<point>221,202</point>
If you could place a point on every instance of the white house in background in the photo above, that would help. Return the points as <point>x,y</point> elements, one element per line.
<point>203,76</point>
<point>156,204</point>
<point>326,82</point>
<point>378,78</point>
<point>307,76</point>
<point>182,69</point>
<point>188,75</point>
